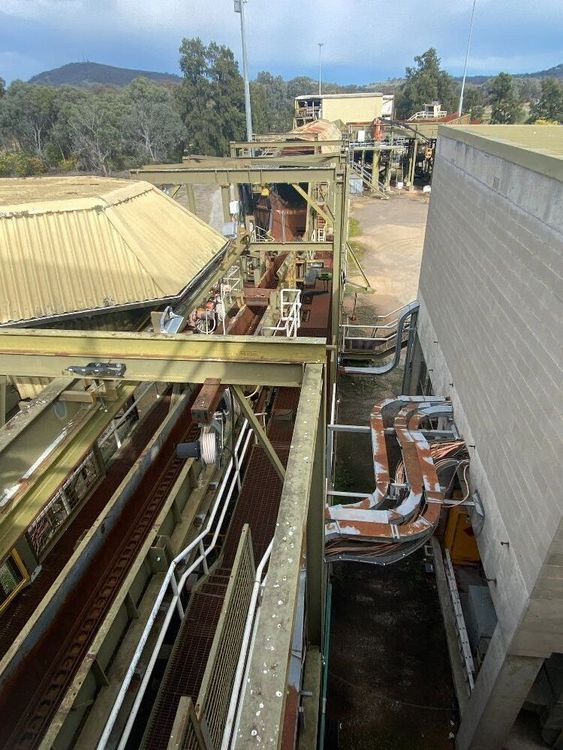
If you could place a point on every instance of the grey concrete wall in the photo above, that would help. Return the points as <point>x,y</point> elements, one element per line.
<point>491,327</point>
<point>491,288</point>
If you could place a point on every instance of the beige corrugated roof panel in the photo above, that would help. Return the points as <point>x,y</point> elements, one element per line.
<point>69,244</point>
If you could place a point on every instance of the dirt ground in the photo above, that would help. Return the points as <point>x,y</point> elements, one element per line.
<point>391,240</point>
<point>389,678</point>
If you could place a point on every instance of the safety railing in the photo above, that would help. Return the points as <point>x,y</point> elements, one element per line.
<point>261,235</point>
<point>379,334</point>
<point>368,179</point>
<point>213,699</point>
<point>426,115</point>
<point>243,664</point>
<point>173,587</point>
<point>290,314</point>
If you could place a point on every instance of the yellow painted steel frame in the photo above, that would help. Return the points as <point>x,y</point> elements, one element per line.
<point>236,360</point>
<point>34,492</point>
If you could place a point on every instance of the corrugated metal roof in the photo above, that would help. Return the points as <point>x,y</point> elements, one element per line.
<point>78,243</point>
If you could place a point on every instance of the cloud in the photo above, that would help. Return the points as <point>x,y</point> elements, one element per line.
<point>364,40</point>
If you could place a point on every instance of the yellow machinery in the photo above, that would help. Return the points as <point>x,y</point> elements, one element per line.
<point>460,539</point>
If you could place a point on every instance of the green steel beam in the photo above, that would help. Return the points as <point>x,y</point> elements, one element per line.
<point>291,247</point>
<point>23,419</point>
<point>236,360</point>
<point>179,175</point>
<point>27,502</point>
<point>261,721</point>
<point>259,431</point>
<point>313,203</point>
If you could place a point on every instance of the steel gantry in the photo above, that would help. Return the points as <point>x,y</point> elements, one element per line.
<point>294,170</point>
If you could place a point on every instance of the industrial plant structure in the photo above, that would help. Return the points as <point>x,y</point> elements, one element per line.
<point>170,508</point>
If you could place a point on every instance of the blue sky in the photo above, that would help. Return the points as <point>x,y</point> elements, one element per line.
<point>364,40</point>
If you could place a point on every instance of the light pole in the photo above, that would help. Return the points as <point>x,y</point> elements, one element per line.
<point>321,45</point>
<point>460,108</point>
<point>239,8</point>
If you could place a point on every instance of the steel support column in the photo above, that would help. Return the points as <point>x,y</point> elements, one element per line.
<point>191,198</point>
<point>259,431</point>
<point>3,385</point>
<point>226,202</point>
<point>340,237</point>
<point>263,706</point>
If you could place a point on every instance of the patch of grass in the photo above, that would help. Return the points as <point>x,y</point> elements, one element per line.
<point>354,228</point>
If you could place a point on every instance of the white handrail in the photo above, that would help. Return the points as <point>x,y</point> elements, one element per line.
<point>241,665</point>
<point>177,589</point>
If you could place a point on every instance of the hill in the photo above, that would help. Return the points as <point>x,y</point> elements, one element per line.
<point>88,73</point>
<point>555,72</point>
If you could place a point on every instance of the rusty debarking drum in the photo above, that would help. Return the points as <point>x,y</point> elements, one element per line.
<point>417,467</point>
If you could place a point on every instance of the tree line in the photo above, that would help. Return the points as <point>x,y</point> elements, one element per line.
<point>105,129</point>
<point>502,98</point>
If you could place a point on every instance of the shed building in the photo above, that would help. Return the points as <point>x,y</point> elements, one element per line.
<point>346,108</point>
<point>92,252</point>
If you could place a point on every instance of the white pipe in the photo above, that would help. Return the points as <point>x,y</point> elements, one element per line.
<point>161,594</point>
<point>181,584</point>
<point>235,690</point>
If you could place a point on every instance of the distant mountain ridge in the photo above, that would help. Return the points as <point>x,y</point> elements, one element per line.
<point>90,73</point>
<point>555,72</point>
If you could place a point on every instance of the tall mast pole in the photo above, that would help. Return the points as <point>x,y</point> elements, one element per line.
<point>239,8</point>
<point>321,45</point>
<point>460,107</point>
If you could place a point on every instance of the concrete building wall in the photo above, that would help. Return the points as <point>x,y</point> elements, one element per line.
<point>352,109</point>
<point>490,327</point>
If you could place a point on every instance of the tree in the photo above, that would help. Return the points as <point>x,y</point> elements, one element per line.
<point>473,103</point>
<point>27,116</point>
<point>503,98</point>
<point>2,87</point>
<point>210,97</point>
<point>153,129</point>
<point>272,107</point>
<point>550,103</point>
<point>90,123</point>
<point>426,83</point>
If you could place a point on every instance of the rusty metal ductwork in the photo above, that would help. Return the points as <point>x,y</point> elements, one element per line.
<point>400,515</point>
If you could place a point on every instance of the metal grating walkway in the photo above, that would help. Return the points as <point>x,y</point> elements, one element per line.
<point>258,506</point>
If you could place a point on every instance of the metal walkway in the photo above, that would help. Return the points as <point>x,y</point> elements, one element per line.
<point>257,506</point>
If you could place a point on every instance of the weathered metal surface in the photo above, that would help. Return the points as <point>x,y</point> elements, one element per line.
<point>207,401</point>
<point>245,360</point>
<point>265,695</point>
<point>32,494</point>
<point>414,506</point>
<point>177,174</point>
<point>70,243</point>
